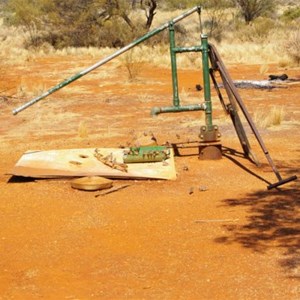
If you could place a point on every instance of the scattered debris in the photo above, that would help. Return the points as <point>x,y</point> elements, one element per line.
<point>199,87</point>
<point>203,188</point>
<point>146,139</point>
<point>257,84</point>
<point>110,161</point>
<point>4,99</point>
<point>185,168</point>
<point>274,81</point>
<point>92,183</point>
<point>168,144</point>
<point>278,77</point>
<point>114,189</point>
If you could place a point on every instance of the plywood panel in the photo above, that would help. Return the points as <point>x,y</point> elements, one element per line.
<point>82,162</point>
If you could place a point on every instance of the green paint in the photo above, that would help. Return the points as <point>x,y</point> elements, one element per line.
<point>174,109</point>
<point>176,101</point>
<point>206,82</point>
<point>145,154</point>
<point>187,49</point>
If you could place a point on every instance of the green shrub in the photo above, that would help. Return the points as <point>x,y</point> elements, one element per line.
<point>291,14</point>
<point>258,30</point>
<point>180,4</point>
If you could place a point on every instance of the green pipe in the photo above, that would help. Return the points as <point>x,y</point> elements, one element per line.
<point>173,109</point>
<point>176,101</point>
<point>206,82</point>
<point>107,59</point>
<point>187,49</point>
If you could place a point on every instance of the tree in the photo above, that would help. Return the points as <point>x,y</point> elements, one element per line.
<point>80,23</point>
<point>216,17</point>
<point>180,4</point>
<point>149,7</point>
<point>252,9</point>
<point>29,15</point>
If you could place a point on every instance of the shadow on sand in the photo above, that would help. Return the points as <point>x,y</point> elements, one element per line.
<point>273,221</point>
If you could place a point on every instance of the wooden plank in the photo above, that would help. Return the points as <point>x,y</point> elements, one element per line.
<point>82,162</point>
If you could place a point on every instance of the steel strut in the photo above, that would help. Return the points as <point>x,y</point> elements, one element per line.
<point>231,110</point>
<point>228,81</point>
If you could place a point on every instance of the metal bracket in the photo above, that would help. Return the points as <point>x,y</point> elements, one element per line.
<point>210,135</point>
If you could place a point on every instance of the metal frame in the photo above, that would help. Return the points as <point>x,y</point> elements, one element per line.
<point>209,133</point>
<point>231,108</point>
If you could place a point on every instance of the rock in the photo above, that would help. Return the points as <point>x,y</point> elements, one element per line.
<point>202,188</point>
<point>144,140</point>
<point>278,77</point>
<point>198,87</point>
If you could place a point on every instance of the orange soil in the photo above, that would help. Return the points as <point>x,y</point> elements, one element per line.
<point>214,233</point>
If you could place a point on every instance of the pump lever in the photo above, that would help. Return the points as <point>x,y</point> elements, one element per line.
<point>281,182</point>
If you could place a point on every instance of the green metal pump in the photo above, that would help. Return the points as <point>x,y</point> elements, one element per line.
<point>211,64</point>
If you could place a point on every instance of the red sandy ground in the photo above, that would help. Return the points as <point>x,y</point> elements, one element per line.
<point>229,239</point>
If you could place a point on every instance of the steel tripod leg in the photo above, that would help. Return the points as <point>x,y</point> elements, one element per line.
<point>228,81</point>
<point>230,109</point>
<point>242,136</point>
<point>213,78</point>
<point>281,182</point>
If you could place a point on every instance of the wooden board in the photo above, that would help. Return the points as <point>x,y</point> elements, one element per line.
<point>82,162</point>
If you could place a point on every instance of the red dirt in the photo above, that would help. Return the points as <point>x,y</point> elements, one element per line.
<point>214,233</point>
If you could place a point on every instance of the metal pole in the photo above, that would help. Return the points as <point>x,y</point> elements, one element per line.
<point>174,109</point>
<point>206,82</point>
<point>227,79</point>
<point>107,59</point>
<point>176,101</point>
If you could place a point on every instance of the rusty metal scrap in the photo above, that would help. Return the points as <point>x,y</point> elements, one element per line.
<point>110,161</point>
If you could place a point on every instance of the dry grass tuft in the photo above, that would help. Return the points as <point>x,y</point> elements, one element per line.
<point>293,46</point>
<point>264,68</point>
<point>267,46</point>
<point>133,62</point>
<point>268,119</point>
<point>83,130</point>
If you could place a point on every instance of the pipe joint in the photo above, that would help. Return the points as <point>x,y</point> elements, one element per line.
<point>176,109</point>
